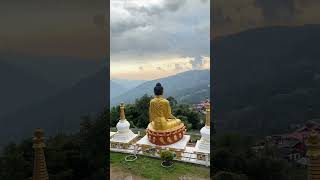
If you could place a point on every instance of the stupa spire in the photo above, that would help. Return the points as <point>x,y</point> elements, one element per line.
<point>40,168</point>
<point>313,152</point>
<point>122,114</point>
<point>208,115</point>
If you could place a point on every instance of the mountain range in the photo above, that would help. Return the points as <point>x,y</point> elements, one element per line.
<point>116,89</point>
<point>46,92</point>
<point>187,87</point>
<point>61,72</point>
<point>58,113</point>
<point>20,88</point>
<point>120,86</point>
<point>128,83</point>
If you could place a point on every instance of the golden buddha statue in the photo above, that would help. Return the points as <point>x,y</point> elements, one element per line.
<point>162,121</point>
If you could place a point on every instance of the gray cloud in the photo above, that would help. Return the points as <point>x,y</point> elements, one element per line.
<point>173,5</point>
<point>174,28</point>
<point>157,9</point>
<point>197,62</point>
<point>126,25</point>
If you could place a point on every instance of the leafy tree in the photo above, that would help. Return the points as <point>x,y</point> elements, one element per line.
<point>114,115</point>
<point>142,106</point>
<point>233,154</point>
<point>173,102</point>
<point>193,117</point>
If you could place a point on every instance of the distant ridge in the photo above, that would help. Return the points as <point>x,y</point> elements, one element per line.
<point>190,86</point>
<point>116,89</point>
<point>19,87</point>
<point>128,83</point>
<point>59,113</point>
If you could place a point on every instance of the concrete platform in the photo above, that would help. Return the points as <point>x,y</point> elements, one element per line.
<point>111,134</point>
<point>202,147</point>
<point>126,138</point>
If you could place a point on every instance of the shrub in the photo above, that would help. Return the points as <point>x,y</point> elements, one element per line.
<point>166,155</point>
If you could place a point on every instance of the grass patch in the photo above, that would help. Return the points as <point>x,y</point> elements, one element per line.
<point>298,173</point>
<point>151,168</point>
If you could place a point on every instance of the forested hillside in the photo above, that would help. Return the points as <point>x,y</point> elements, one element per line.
<point>266,80</point>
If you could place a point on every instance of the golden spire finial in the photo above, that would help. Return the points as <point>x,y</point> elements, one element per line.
<point>208,114</point>
<point>313,144</point>
<point>313,152</point>
<point>122,114</point>
<point>40,168</point>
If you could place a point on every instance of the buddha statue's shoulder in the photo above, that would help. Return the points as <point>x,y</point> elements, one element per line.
<point>159,100</point>
<point>153,100</point>
<point>165,100</point>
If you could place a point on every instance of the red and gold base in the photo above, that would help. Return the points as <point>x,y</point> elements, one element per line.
<point>166,137</point>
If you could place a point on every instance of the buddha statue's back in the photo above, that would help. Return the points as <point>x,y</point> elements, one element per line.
<point>160,114</point>
<point>162,122</point>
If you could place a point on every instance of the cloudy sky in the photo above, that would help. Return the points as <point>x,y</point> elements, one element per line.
<point>232,16</point>
<point>157,38</point>
<point>73,28</point>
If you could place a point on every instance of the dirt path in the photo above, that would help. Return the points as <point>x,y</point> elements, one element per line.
<point>192,178</point>
<point>121,174</point>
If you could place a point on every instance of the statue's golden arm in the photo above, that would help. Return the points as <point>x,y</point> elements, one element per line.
<point>170,116</point>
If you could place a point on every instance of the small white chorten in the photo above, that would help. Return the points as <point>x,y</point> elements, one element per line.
<point>124,134</point>
<point>203,145</point>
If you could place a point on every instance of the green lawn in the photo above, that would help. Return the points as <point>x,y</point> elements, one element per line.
<point>151,168</point>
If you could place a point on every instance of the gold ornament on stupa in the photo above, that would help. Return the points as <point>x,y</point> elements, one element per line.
<point>208,115</point>
<point>313,144</point>
<point>40,168</point>
<point>122,114</point>
<point>313,153</point>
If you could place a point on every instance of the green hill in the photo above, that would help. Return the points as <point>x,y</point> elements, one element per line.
<point>267,79</point>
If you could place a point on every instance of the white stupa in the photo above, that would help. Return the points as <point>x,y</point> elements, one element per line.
<point>203,145</point>
<point>124,134</point>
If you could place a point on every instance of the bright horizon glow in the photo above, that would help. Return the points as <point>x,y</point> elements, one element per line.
<point>151,71</point>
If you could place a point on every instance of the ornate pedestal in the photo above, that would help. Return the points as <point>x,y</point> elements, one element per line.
<point>165,137</point>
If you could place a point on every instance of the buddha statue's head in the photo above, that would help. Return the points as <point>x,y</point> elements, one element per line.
<point>158,90</point>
